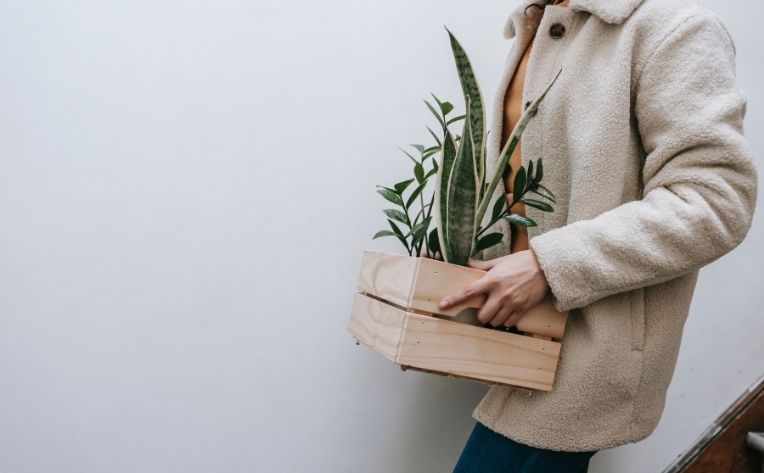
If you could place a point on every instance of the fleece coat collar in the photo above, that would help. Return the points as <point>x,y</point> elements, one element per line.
<point>609,11</point>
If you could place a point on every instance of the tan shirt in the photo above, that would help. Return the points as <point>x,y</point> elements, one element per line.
<point>513,108</point>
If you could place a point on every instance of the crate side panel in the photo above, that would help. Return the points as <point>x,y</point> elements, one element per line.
<point>376,324</point>
<point>387,276</point>
<point>437,279</point>
<point>475,352</point>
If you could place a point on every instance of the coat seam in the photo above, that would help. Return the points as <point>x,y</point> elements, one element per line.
<point>638,389</point>
<point>661,43</point>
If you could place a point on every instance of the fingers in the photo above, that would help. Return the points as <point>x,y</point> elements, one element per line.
<point>490,310</point>
<point>503,314</point>
<point>480,286</point>
<point>482,265</point>
<point>514,318</point>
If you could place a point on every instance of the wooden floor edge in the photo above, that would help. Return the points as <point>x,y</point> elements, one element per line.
<point>714,430</point>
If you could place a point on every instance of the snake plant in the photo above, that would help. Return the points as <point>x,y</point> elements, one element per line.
<point>462,191</point>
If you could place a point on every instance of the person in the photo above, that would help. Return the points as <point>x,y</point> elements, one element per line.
<point>643,146</point>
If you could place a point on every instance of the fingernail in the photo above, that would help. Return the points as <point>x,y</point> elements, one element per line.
<point>443,303</point>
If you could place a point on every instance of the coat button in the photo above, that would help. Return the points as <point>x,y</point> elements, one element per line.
<point>557,30</point>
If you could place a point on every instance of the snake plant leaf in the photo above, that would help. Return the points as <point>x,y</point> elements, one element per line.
<point>440,211</point>
<point>521,220</point>
<point>462,199</point>
<point>401,186</point>
<point>397,215</point>
<point>473,98</point>
<point>498,207</point>
<point>488,241</point>
<point>383,233</point>
<point>393,197</point>
<point>537,204</point>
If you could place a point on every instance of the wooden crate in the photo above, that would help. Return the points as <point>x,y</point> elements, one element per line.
<point>395,311</point>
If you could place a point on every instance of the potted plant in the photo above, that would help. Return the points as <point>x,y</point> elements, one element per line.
<point>395,307</point>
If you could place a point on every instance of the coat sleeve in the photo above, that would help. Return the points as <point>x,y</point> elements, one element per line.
<point>700,181</point>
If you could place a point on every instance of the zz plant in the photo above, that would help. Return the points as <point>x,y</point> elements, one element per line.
<point>462,193</point>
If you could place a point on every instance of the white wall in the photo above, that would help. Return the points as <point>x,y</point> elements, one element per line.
<point>185,191</point>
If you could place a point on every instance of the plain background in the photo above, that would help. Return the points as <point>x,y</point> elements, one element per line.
<point>185,191</point>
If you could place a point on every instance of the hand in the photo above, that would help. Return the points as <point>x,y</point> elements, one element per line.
<point>513,283</point>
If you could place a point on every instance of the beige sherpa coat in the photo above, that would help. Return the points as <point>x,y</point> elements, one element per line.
<point>642,142</point>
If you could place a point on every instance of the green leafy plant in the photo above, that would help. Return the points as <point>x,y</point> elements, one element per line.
<point>462,192</point>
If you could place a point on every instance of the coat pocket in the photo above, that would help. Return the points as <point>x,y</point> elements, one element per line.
<point>637,302</point>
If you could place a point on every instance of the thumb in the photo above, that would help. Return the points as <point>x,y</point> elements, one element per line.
<point>483,265</point>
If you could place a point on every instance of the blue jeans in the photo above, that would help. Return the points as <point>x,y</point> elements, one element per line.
<point>487,451</point>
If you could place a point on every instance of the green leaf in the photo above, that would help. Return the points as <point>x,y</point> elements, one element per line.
<point>520,220</point>
<point>433,241</point>
<point>430,151</point>
<point>437,100</point>
<point>414,194</point>
<point>419,148</point>
<point>408,154</point>
<point>396,229</point>
<point>462,193</point>
<point>510,145</point>
<point>435,136</point>
<point>529,173</point>
<point>546,190</point>
<point>397,215</point>
<point>456,119</point>
<point>420,230</point>
<point>401,186</point>
<point>544,195</point>
<point>498,207</point>
<point>419,172</point>
<point>400,235</point>
<point>440,211</point>
<point>538,204</point>
<point>539,170</point>
<point>488,241</point>
<point>446,108</point>
<point>383,233</point>
<point>519,185</point>
<point>391,196</point>
<point>472,97</point>
<point>435,112</point>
